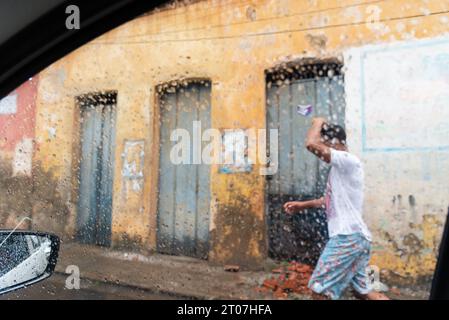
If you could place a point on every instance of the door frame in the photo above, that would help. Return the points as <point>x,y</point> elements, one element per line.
<point>159,89</point>
<point>283,71</point>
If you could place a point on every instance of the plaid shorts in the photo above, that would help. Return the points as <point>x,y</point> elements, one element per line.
<point>343,262</point>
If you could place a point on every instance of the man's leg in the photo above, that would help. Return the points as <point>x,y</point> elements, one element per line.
<point>362,290</point>
<point>335,268</point>
<point>361,283</point>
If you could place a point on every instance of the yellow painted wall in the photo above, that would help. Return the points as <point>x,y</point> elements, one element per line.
<point>231,43</point>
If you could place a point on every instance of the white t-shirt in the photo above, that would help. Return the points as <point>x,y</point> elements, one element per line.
<point>344,195</point>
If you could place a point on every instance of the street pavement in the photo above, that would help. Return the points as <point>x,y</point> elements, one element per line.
<point>112,274</point>
<point>54,288</point>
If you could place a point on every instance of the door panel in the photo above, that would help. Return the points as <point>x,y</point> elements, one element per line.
<point>88,182</point>
<point>167,173</point>
<point>94,216</point>
<point>104,220</point>
<point>300,176</point>
<point>186,178</point>
<point>184,189</point>
<point>203,179</point>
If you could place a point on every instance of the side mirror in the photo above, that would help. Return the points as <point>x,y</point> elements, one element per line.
<point>26,257</point>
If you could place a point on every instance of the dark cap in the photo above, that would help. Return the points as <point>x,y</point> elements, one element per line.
<point>331,131</point>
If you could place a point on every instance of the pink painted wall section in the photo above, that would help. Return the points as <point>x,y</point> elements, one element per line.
<point>17,128</point>
<point>18,117</point>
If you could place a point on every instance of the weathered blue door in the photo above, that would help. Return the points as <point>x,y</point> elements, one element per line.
<point>300,175</point>
<point>184,189</point>
<point>96,171</point>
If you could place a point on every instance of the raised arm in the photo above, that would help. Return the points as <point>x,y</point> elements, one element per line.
<point>314,143</point>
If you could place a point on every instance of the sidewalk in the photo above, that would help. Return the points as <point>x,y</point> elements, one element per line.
<point>182,277</point>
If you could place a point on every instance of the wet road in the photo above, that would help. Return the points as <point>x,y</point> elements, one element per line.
<point>53,288</point>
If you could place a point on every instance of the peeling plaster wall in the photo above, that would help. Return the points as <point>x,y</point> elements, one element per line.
<point>397,116</point>
<point>25,189</point>
<point>17,120</point>
<point>204,40</point>
<point>17,123</point>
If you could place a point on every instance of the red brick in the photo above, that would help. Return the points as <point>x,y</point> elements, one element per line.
<point>270,284</point>
<point>289,285</point>
<point>278,270</point>
<point>291,268</point>
<point>292,275</point>
<point>303,269</point>
<point>262,290</point>
<point>280,294</point>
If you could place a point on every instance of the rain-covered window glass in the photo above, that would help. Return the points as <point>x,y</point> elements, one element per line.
<point>238,149</point>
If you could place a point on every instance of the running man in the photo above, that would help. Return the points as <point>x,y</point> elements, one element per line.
<point>346,255</point>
